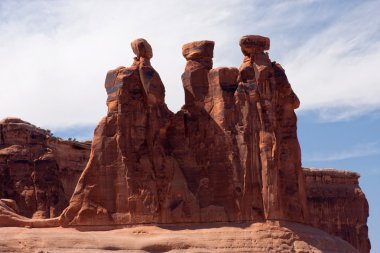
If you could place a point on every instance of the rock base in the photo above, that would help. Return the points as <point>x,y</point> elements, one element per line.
<point>218,237</point>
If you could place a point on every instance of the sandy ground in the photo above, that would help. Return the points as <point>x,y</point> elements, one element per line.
<point>257,237</point>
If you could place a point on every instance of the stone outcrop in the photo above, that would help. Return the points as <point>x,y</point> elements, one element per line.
<point>10,218</point>
<point>231,154</point>
<point>131,176</point>
<point>338,206</point>
<point>37,171</point>
<point>236,132</point>
<point>265,237</point>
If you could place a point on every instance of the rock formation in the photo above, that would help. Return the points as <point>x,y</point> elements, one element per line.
<point>130,177</point>
<point>231,155</point>
<point>335,202</point>
<point>338,206</point>
<point>37,171</point>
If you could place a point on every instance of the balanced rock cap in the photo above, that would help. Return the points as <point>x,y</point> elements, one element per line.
<point>198,49</point>
<point>141,48</point>
<point>254,44</point>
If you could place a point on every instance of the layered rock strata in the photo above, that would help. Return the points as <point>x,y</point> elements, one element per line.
<point>37,171</point>
<point>338,206</point>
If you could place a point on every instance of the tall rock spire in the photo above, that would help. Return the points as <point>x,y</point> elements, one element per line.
<point>230,154</point>
<point>283,187</point>
<point>130,177</point>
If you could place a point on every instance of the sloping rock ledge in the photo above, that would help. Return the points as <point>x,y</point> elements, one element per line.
<point>237,237</point>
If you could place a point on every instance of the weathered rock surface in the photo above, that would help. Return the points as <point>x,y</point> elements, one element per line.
<point>231,154</point>
<point>131,177</point>
<point>37,171</point>
<point>9,217</point>
<point>338,206</point>
<point>330,193</point>
<point>283,237</point>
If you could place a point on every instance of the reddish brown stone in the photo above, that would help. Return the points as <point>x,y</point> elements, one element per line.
<point>199,61</point>
<point>142,49</point>
<point>131,177</point>
<point>198,50</point>
<point>37,171</point>
<point>222,148</point>
<point>273,103</point>
<point>234,145</point>
<point>254,44</point>
<point>231,154</point>
<point>338,206</point>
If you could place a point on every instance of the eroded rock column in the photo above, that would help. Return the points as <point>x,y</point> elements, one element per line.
<point>197,141</point>
<point>282,180</point>
<point>130,177</point>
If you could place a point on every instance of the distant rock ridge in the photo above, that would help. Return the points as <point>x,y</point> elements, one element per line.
<point>337,205</point>
<point>39,172</point>
<point>231,154</point>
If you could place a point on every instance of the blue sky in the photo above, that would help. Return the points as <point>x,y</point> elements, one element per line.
<point>55,54</point>
<point>352,144</point>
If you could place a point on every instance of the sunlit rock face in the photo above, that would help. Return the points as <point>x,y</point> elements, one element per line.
<point>338,206</point>
<point>230,154</point>
<point>131,176</point>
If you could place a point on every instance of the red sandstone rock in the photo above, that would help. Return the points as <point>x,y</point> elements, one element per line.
<point>218,159</point>
<point>281,237</point>
<point>142,49</point>
<point>282,179</point>
<point>198,50</point>
<point>131,177</point>
<point>254,44</point>
<point>231,154</point>
<point>338,206</point>
<point>38,171</point>
<point>199,61</point>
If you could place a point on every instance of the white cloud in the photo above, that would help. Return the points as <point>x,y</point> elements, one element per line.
<point>55,54</point>
<point>53,74</point>
<point>337,113</point>
<point>337,69</point>
<point>359,150</point>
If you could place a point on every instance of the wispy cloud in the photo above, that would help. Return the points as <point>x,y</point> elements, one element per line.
<point>54,54</point>
<point>336,70</point>
<point>359,150</point>
<point>339,113</point>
